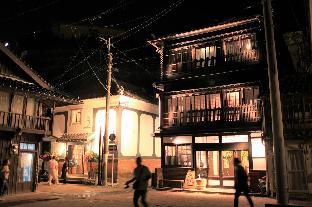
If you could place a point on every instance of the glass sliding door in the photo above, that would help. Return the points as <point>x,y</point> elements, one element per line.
<point>228,165</point>
<point>213,168</point>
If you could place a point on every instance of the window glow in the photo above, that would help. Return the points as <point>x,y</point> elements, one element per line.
<point>100,127</point>
<point>258,148</point>
<point>234,138</point>
<point>129,133</point>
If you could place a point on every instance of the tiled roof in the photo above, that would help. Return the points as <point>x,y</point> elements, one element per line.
<point>27,87</point>
<point>79,137</point>
<point>39,87</point>
<point>246,22</point>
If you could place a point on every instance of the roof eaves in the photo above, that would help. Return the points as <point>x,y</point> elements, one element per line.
<point>224,25</point>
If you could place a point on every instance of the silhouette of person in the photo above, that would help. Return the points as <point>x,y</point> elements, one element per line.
<point>4,177</point>
<point>64,170</point>
<point>241,184</point>
<point>141,175</point>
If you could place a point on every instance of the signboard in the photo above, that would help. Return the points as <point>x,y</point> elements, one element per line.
<point>190,180</point>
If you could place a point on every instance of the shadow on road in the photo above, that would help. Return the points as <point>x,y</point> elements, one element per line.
<point>21,202</point>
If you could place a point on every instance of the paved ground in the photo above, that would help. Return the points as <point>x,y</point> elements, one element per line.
<point>74,195</point>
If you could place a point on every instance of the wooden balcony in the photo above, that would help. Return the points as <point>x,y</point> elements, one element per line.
<point>209,64</point>
<point>10,120</point>
<point>297,116</point>
<point>228,116</point>
<point>297,120</point>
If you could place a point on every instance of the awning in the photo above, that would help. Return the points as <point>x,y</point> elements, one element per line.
<point>79,137</point>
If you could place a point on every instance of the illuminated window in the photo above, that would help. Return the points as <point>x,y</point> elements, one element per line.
<point>179,60</point>
<point>184,155</point>
<point>240,48</point>
<point>178,155</point>
<point>234,138</point>
<point>258,154</point>
<point>205,56</point>
<point>25,146</point>
<point>232,99</point>
<point>76,116</point>
<point>170,155</point>
<point>258,148</point>
<point>26,162</point>
<point>208,139</point>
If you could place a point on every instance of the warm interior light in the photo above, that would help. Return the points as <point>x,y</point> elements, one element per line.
<point>248,46</point>
<point>129,132</point>
<point>100,127</point>
<point>258,148</point>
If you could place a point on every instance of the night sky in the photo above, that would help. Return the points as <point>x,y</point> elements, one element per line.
<point>56,36</point>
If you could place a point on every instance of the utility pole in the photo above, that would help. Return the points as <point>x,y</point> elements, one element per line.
<point>106,135</point>
<point>310,26</point>
<point>276,111</point>
<point>99,161</point>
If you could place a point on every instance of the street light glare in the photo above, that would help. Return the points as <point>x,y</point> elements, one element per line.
<point>6,44</point>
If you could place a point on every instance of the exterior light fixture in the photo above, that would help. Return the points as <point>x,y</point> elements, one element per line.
<point>6,44</point>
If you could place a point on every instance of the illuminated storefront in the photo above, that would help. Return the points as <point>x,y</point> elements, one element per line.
<point>213,156</point>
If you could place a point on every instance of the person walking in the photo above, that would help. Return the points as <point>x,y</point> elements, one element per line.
<point>64,170</point>
<point>53,171</point>
<point>4,177</point>
<point>141,175</point>
<point>241,185</point>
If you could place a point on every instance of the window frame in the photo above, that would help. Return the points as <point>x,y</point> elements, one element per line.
<point>72,116</point>
<point>176,151</point>
<point>26,151</point>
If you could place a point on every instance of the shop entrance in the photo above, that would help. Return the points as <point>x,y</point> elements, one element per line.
<point>218,166</point>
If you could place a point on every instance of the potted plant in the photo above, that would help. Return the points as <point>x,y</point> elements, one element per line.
<point>73,166</point>
<point>91,158</point>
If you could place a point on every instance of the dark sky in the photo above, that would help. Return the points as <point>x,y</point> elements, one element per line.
<point>57,35</point>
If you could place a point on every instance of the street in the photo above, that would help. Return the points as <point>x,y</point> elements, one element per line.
<point>75,195</point>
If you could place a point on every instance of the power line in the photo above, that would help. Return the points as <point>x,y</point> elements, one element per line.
<point>147,22</point>
<point>125,22</point>
<point>76,65</point>
<point>134,61</point>
<point>71,61</point>
<point>89,64</point>
<point>117,6</point>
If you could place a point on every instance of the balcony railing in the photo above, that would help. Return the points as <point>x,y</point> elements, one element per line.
<point>297,116</point>
<point>246,113</point>
<point>12,120</point>
<point>250,57</point>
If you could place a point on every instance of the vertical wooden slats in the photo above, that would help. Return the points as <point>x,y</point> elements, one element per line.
<point>8,119</point>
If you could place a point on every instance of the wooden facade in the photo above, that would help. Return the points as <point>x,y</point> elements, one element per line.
<point>213,85</point>
<point>296,100</point>
<point>26,108</point>
<point>211,108</point>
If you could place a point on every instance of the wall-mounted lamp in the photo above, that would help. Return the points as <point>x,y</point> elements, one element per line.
<point>13,148</point>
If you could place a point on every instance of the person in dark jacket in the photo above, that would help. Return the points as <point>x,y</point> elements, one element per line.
<point>64,170</point>
<point>141,175</point>
<point>241,184</point>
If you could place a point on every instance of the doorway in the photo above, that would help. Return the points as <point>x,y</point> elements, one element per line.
<point>218,166</point>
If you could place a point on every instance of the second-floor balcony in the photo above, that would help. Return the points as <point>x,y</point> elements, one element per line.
<point>236,116</point>
<point>14,121</point>
<point>233,51</point>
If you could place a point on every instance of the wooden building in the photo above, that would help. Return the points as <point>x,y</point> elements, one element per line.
<point>26,107</point>
<point>210,102</point>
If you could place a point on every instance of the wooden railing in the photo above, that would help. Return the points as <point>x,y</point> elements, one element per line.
<point>246,113</point>
<point>12,120</point>
<point>251,57</point>
<point>297,116</point>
